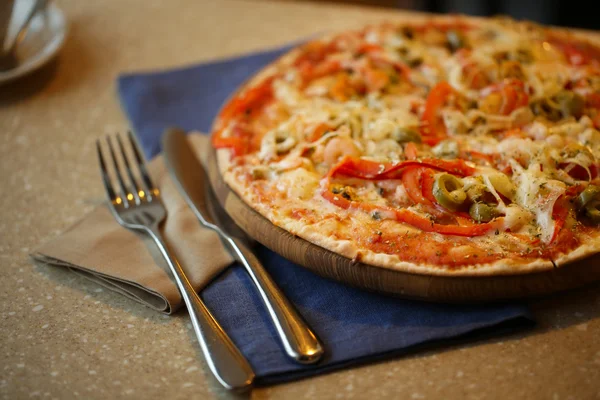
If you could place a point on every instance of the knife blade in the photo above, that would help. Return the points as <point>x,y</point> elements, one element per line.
<point>298,340</point>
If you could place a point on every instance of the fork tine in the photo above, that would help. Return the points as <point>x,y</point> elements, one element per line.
<point>141,165</point>
<point>124,190</point>
<point>110,192</point>
<point>133,181</point>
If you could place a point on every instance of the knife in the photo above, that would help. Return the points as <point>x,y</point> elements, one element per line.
<point>298,340</point>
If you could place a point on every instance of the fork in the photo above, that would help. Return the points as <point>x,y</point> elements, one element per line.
<point>136,205</point>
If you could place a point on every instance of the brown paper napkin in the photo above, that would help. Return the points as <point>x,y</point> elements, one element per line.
<point>100,249</point>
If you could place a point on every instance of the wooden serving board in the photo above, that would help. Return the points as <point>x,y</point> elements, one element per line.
<point>417,286</point>
<point>459,289</point>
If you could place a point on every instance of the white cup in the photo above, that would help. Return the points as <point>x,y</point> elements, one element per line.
<point>6,11</point>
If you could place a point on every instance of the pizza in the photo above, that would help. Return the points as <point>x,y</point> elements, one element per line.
<point>443,146</point>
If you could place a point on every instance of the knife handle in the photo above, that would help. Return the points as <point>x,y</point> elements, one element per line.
<point>224,359</point>
<point>298,340</point>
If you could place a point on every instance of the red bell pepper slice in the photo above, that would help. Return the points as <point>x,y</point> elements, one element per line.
<point>593,100</point>
<point>513,95</point>
<point>433,129</point>
<point>427,181</point>
<point>476,77</point>
<point>413,181</point>
<point>366,48</point>
<point>410,151</point>
<point>250,100</point>
<point>373,170</point>
<point>577,51</point>
<point>576,171</point>
<point>239,142</point>
<point>238,109</point>
<point>319,131</point>
<point>596,121</point>
<point>311,72</point>
<point>314,52</point>
<point>560,212</point>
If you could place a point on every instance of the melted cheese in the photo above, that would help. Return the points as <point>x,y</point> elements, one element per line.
<point>537,193</point>
<point>298,183</point>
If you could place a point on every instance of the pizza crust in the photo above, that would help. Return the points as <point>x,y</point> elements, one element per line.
<point>346,248</point>
<point>349,250</point>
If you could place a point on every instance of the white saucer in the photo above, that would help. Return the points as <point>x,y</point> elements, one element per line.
<point>44,39</point>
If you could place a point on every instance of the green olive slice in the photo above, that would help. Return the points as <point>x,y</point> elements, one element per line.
<point>571,103</point>
<point>404,135</point>
<point>482,212</point>
<point>589,194</point>
<point>448,191</point>
<point>545,109</point>
<point>455,40</point>
<point>592,211</point>
<point>523,56</point>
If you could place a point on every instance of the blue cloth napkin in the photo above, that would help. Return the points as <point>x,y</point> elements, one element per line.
<point>355,326</point>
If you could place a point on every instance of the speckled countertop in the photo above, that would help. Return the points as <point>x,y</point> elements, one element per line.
<point>63,337</point>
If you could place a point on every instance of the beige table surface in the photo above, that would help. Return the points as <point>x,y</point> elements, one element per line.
<point>62,337</point>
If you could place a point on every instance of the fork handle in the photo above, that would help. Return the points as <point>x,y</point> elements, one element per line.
<point>224,359</point>
<point>298,340</point>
